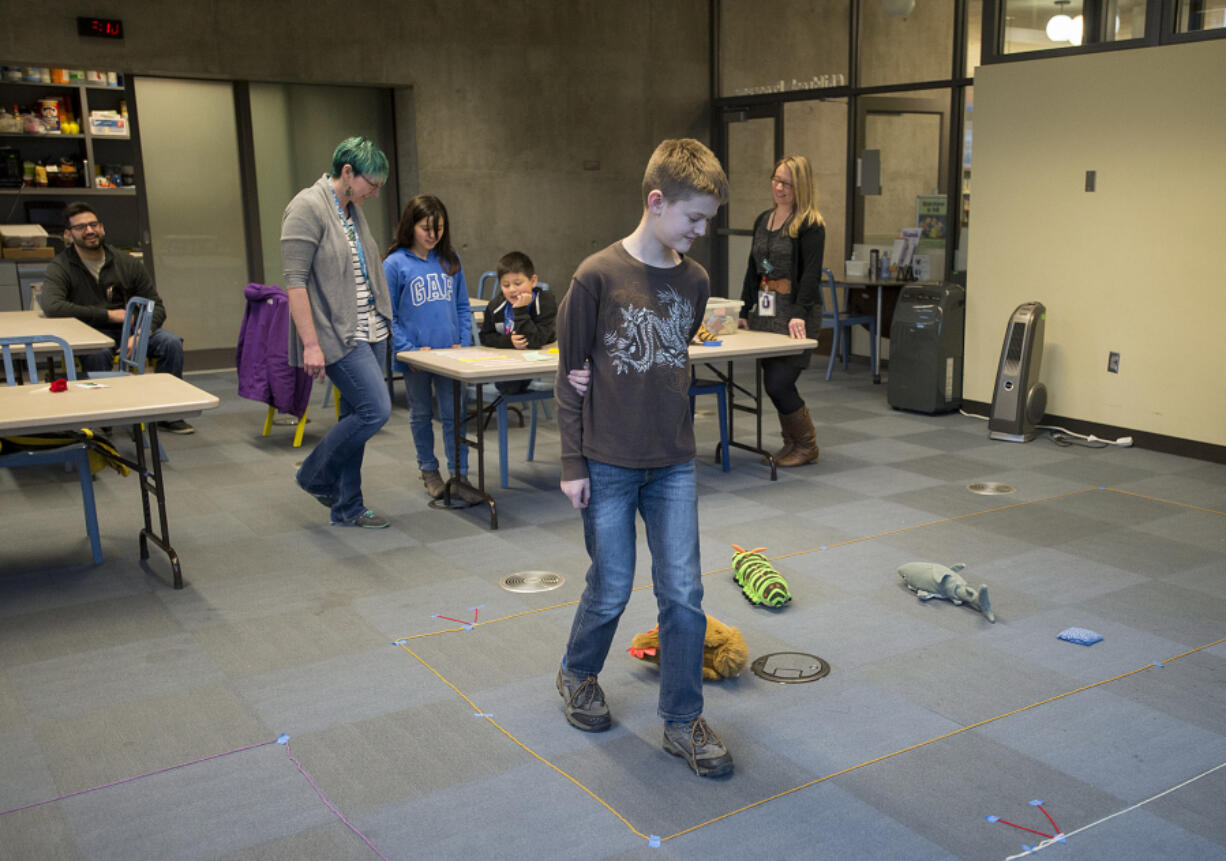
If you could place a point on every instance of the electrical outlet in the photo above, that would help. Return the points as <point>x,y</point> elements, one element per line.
<point>1113,363</point>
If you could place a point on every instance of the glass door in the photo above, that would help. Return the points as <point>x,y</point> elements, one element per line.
<point>749,143</point>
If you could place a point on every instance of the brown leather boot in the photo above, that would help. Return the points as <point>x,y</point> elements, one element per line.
<point>799,426</point>
<point>788,442</point>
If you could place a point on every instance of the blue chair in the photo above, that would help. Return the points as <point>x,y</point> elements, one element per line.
<point>137,324</point>
<point>720,390</point>
<point>492,278</point>
<point>73,454</point>
<point>833,317</point>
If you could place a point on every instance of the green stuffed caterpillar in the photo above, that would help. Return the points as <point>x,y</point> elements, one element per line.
<point>758,579</point>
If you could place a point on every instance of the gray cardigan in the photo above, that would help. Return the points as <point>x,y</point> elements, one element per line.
<point>315,255</point>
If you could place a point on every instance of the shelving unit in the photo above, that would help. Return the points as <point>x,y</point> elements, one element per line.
<point>121,209</point>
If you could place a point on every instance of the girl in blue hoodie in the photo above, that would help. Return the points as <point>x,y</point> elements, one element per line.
<point>430,301</point>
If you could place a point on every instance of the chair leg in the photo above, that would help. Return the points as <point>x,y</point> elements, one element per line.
<point>272,411</point>
<point>298,431</point>
<point>725,461</point>
<point>503,467</point>
<point>91,510</point>
<point>532,431</point>
<point>834,349</point>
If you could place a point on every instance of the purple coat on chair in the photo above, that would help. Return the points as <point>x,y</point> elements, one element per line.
<point>264,371</point>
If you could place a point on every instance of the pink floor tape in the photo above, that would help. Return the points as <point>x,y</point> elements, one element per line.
<point>282,740</point>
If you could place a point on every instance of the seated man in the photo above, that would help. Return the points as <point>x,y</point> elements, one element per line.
<point>93,281</point>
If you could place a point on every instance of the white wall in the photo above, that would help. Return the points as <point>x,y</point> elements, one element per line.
<point>1132,267</point>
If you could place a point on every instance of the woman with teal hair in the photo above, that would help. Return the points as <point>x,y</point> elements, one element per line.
<point>341,316</point>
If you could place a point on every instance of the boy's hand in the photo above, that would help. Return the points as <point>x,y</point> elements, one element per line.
<point>577,490</point>
<point>522,300</point>
<point>580,378</point>
<point>518,341</point>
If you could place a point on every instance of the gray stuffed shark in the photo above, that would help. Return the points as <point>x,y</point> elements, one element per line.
<point>930,580</point>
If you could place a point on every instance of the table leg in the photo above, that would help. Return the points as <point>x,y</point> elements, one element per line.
<point>150,478</point>
<point>877,351</point>
<point>756,410</point>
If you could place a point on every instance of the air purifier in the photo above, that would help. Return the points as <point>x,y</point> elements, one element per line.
<point>1019,400</point>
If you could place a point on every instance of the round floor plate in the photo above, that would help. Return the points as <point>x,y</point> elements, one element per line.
<point>790,668</point>
<point>531,581</point>
<point>989,489</point>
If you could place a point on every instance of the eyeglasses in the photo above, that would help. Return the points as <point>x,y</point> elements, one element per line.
<point>375,185</point>
<point>780,182</point>
<point>81,228</point>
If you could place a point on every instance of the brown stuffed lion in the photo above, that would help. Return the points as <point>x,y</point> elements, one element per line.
<point>724,652</point>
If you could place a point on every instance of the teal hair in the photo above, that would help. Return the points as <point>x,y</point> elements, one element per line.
<point>362,155</point>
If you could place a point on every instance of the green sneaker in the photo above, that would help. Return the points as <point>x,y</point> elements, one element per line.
<point>367,520</point>
<point>698,744</point>
<point>585,705</point>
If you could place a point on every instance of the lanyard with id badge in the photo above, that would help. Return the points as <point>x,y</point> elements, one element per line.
<point>766,296</point>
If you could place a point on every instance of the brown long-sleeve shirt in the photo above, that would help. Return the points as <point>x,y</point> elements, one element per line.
<point>634,323</point>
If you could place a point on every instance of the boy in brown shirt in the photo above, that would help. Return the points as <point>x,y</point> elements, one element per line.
<point>628,443</point>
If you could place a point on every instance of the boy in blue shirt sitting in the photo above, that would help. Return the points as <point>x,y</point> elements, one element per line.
<point>628,444</point>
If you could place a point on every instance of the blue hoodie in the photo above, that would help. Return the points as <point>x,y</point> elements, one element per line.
<point>430,307</point>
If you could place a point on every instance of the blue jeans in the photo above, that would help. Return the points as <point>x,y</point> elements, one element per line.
<point>164,345</point>
<point>334,468</point>
<point>668,500</point>
<point>418,386</point>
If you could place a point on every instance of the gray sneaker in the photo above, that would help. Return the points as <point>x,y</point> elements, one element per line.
<point>698,744</point>
<point>585,705</point>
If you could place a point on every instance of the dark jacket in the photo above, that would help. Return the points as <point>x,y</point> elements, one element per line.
<point>537,322</point>
<point>69,288</point>
<point>807,250</point>
<point>264,371</point>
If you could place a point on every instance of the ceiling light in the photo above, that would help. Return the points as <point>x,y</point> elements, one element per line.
<point>1060,26</point>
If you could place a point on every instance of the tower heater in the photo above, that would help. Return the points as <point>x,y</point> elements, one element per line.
<point>1019,399</point>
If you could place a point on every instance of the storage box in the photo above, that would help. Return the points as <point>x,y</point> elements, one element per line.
<point>22,236</point>
<point>44,253</point>
<point>108,123</point>
<point>721,315</point>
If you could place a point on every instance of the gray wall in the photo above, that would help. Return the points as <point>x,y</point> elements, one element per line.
<point>510,99</point>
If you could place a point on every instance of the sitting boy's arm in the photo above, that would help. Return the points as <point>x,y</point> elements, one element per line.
<point>542,327</point>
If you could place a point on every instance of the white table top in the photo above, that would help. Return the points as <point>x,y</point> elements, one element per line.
<point>111,401</point>
<point>80,336</point>
<point>488,365</point>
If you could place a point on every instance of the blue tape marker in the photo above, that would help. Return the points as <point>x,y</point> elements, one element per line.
<point>399,642</point>
<point>823,546</point>
<point>712,343</point>
<point>991,818</point>
<point>466,627</point>
<point>1036,803</point>
<point>1102,488</point>
<point>1159,665</point>
<point>283,739</point>
<point>1026,848</point>
<point>654,841</point>
<point>482,714</point>
<point>437,616</point>
<point>478,607</point>
<point>1060,838</point>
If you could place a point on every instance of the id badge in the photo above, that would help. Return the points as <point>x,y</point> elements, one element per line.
<point>766,303</point>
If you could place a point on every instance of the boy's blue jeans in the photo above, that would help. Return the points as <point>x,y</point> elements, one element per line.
<point>334,468</point>
<point>418,386</point>
<point>668,500</point>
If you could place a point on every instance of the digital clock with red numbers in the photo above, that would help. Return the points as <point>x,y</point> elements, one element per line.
<point>104,28</point>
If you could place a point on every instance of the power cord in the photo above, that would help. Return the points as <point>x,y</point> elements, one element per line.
<point>1066,437</point>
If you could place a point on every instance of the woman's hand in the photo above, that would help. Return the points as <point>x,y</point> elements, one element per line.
<point>742,323</point>
<point>796,328</point>
<point>313,363</point>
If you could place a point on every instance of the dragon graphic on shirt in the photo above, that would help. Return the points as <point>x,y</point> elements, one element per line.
<point>644,339</point>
